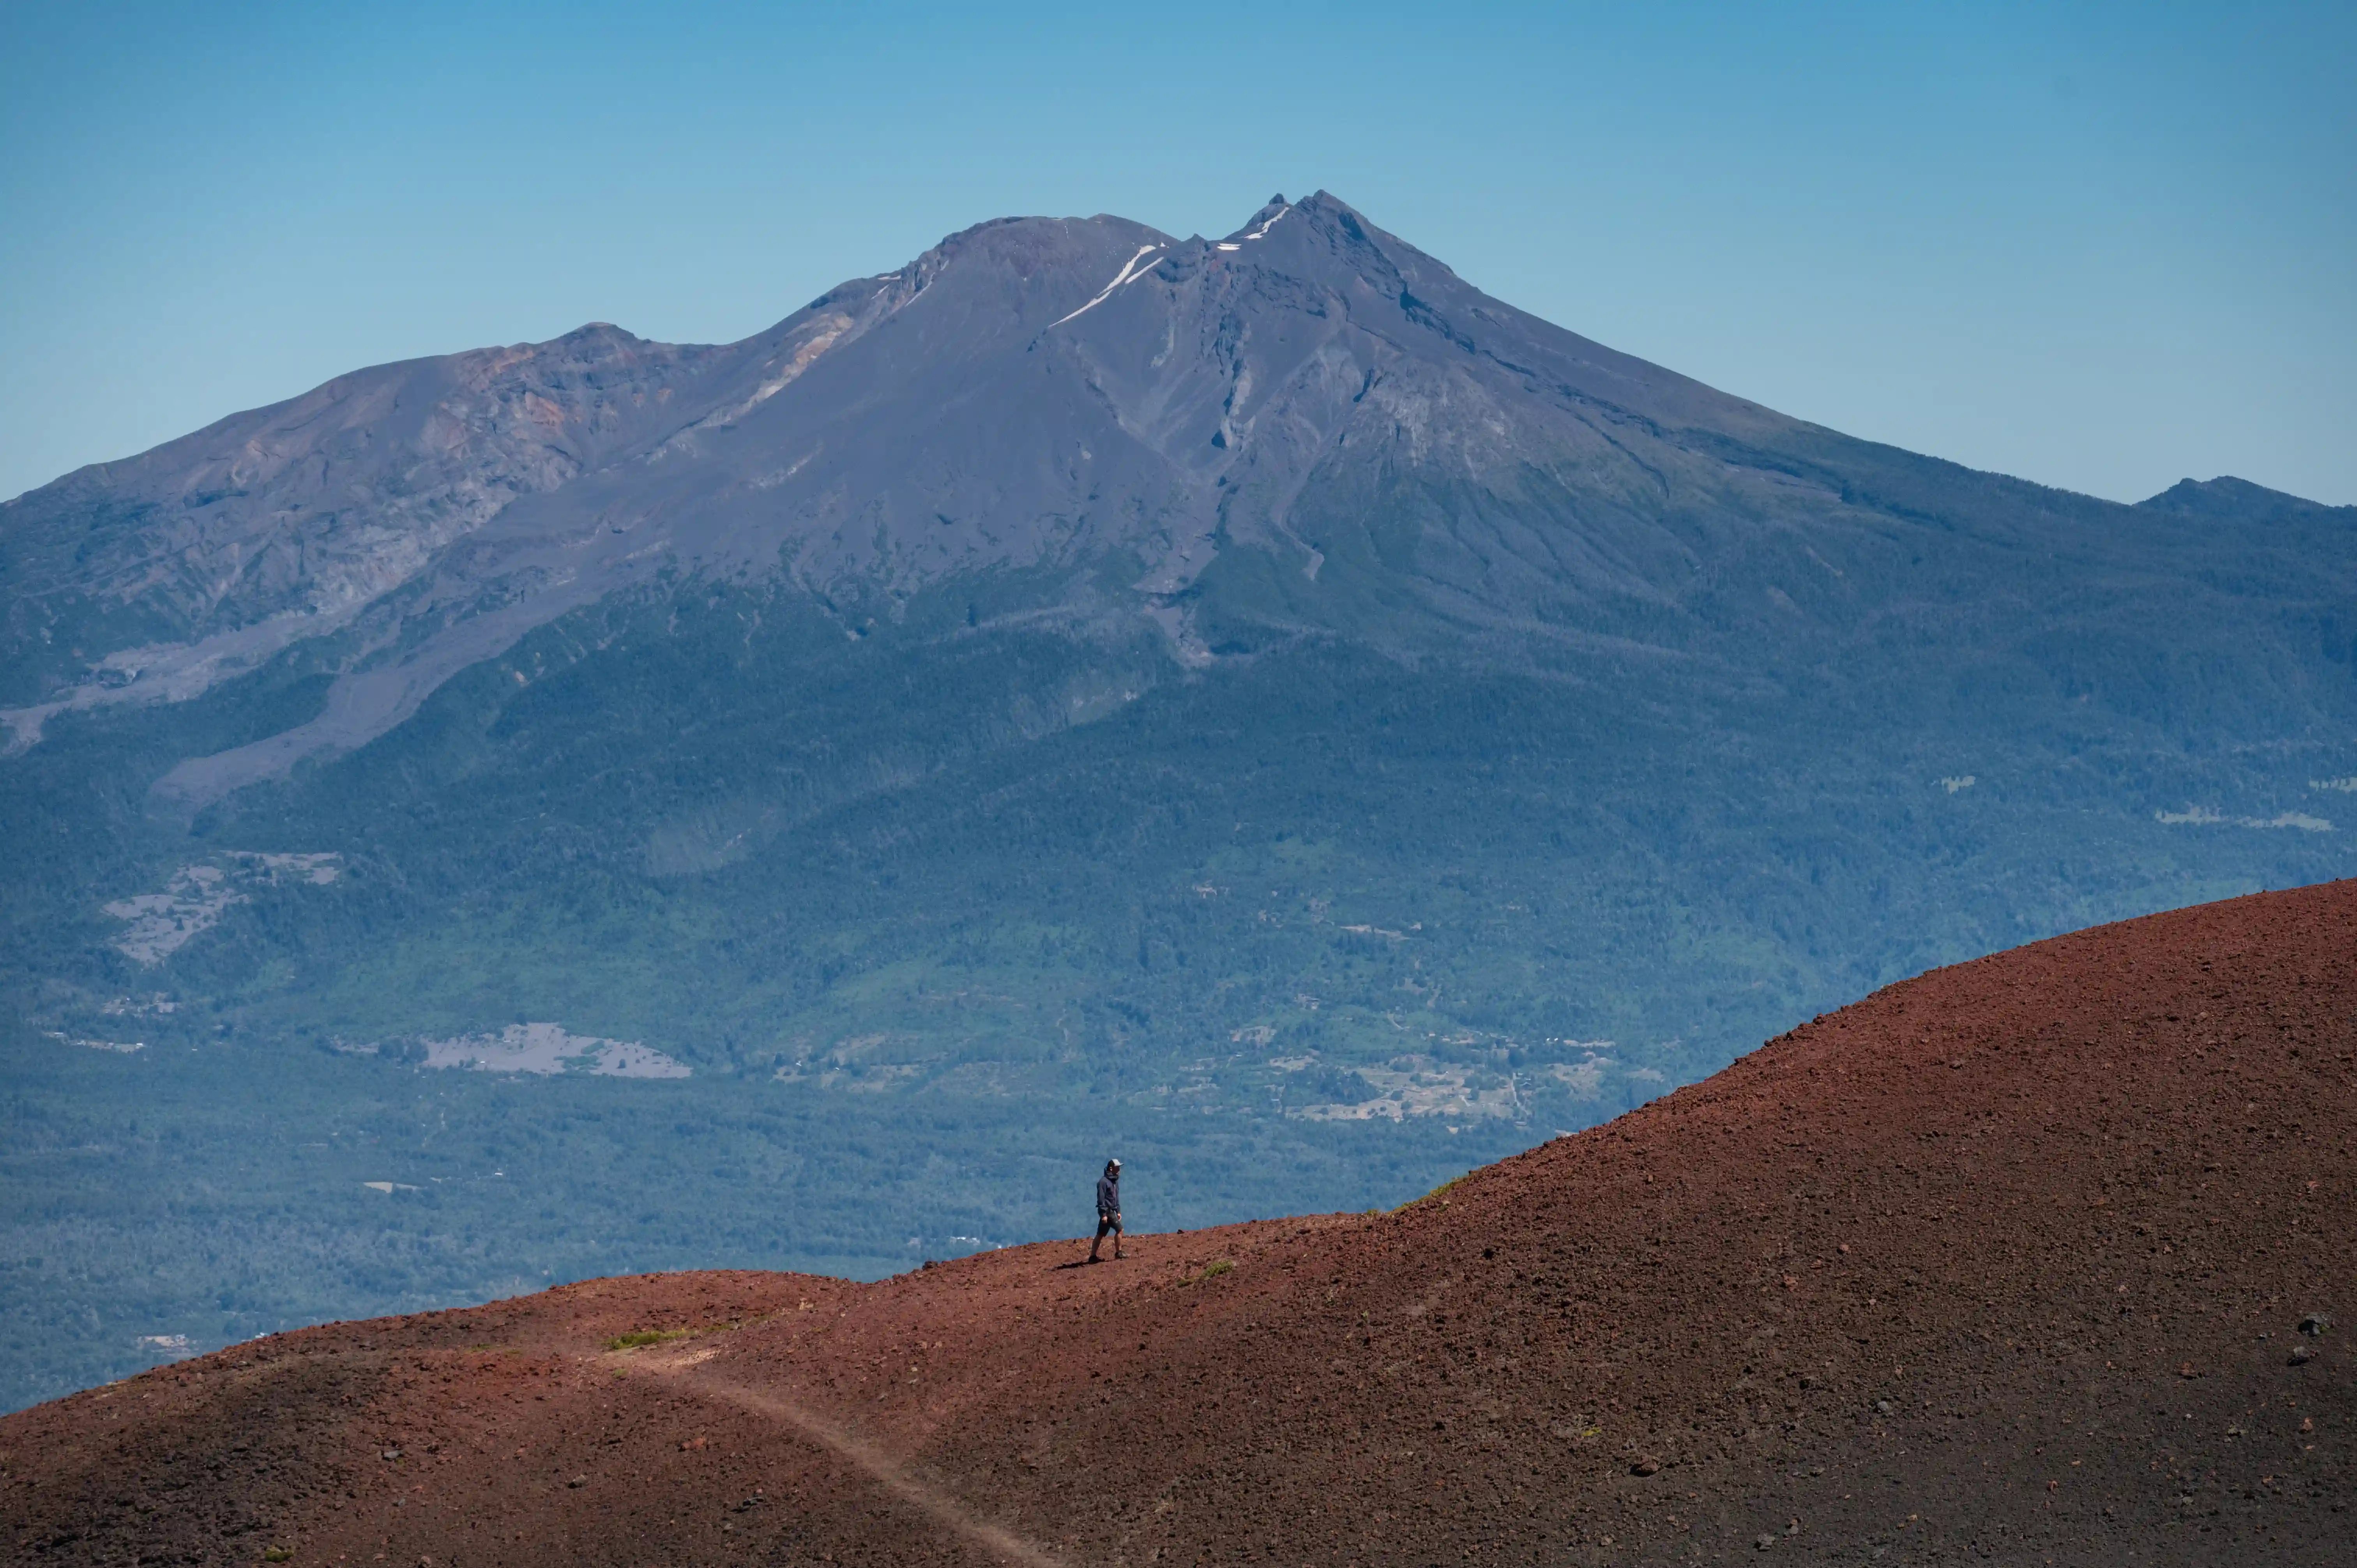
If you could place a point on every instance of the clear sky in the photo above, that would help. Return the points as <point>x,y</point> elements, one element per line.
<point>2103,247</point>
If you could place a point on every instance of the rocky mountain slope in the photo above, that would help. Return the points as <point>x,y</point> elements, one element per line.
<point>2036,1258</point>
<point>1259,699</point>
<point>1310,425</point>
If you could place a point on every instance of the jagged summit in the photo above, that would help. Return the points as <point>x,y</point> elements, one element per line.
<point>1270,210</point>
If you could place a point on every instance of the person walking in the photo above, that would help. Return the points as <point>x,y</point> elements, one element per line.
<point>1108,1210</point>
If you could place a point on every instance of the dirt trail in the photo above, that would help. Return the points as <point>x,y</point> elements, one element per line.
<point>689,1372</point>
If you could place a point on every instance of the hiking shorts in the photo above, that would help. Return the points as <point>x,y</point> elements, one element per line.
<point>1108,1222</point>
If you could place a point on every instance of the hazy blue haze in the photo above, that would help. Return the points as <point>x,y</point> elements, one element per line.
<point>2100,247</point>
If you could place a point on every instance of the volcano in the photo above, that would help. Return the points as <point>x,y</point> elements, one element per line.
<point>2044,1255</point>
<point>1259,704</point>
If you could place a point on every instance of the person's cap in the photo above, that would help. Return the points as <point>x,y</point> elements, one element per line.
<point>1112,1164</point>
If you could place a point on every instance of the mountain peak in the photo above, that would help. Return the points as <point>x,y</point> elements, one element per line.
<point>2228,497</point>
<point>1269,209</point>
<point>599,334</point>
<point>1325,204</point>
<point>1258,225</point>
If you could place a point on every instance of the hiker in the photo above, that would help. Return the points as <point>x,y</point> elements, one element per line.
<point>1108,1209</point>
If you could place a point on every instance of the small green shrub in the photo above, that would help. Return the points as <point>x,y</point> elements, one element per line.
<point>1435,1193</point>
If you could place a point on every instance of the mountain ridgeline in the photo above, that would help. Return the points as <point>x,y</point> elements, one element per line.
<point>1260,701</point>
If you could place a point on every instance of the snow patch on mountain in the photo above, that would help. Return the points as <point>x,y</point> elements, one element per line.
<point>1128,270</point>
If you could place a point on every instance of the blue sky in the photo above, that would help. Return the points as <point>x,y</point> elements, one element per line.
<point>2103,247</point>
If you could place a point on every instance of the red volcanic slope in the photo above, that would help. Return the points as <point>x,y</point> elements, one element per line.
<point>2007,1261</point>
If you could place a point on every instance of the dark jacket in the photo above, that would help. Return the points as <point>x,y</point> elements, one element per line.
<point>1108,1197</point>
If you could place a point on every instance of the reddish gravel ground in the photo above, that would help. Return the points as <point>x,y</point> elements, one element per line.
<point>2008,1262</point>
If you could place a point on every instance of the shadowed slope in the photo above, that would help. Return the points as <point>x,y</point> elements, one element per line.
<point>2010,1260</point>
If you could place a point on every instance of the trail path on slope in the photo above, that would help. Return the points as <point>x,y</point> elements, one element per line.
<point>872,1461</point>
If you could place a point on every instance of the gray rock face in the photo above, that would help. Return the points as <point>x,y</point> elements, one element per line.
<point>272,525</point>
